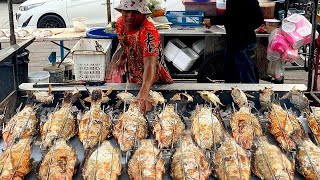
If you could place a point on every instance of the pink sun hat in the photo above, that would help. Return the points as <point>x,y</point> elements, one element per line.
<point>134,5</point>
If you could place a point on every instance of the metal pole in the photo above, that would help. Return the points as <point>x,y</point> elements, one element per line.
<point>12,34</point>
<point>312,47</point>
<point>12,42</point>
<point>108,11</point>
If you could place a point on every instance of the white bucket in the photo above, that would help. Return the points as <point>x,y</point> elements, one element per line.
<point>39,76</point>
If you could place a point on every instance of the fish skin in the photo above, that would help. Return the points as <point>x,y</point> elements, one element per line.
<point>208,132</point>
<point>280,166</point>
<point>130,124</point>
<point>266,97</point>
<point>10,158</point>
<point>308,157</point>
<point>239,97</point>
<point>289,126</point>
<point>227,159</point>
<point>107,156</point>
<point>245,127</point>
<point>313,119</point>
<point>168,127</point>
<point>22,125</point>
<point>147,160</point>
<point>186,160</point>
<point>59,162</point>
<point>95,124</point>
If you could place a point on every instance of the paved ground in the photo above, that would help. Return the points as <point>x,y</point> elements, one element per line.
<point>39,51</point>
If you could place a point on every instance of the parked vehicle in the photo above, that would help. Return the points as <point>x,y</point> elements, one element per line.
<point>59,13</point>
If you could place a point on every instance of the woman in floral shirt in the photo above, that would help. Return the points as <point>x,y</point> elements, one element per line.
<point>142,49</point>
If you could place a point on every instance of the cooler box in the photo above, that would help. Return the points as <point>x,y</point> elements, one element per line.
<point>199,46</point>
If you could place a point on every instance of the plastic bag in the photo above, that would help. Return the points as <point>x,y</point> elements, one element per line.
<point>276,69</point>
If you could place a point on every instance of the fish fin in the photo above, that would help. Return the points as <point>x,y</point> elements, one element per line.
<point>109,91</point>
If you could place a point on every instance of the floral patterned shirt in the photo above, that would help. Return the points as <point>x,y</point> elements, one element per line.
<point>139,44</point>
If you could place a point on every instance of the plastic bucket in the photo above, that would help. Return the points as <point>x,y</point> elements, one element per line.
<point>39,76</point>
<point>221,6</point>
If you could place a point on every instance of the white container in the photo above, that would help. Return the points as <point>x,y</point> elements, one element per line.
<point>172,49</point>
<point>185,59</point>
<point>39,77</point>
<point>90,57</point>
<point>198,46</point>
<point>79,24</point>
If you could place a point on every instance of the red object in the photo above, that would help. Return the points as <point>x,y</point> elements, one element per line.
<point>115,77</point>
<point>220,11</point>
<point>145,42</point>
<point>316,69</point>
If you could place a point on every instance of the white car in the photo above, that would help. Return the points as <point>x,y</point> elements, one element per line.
<point>59,13</point>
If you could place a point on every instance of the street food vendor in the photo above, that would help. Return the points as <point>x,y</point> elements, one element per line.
<point>240,19</point>
<point>142,54</point>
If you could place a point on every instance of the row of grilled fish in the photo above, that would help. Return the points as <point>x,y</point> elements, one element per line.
<point>94,127</point>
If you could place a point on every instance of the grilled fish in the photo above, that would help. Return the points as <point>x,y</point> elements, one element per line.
<point>131,126</point>
<point>207,130</point>
<point>270,163</point>
<point>43,96</point>
<point>239,97</point>
<point>181,96</point>
<point>104,96</point>
<point>231,161</point>
<point>266,98</point>
<point>313,119</point>
<point>189,161</point>
<point>168,127</point>
<point>209,96</point>
<point>283,126</point>
<point>15,162</point>
<point>245,126</point>
<point>95,124</point>
<point>103,163</point>
<point>308,157</point>
<point>60,124</point>
<point>156,97</point>
<point>297,98</point>
<point>59,162</point>
<point>22,125</point>
<point>146,162</point>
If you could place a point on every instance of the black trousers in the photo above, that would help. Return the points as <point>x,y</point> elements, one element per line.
<point>239,66</point>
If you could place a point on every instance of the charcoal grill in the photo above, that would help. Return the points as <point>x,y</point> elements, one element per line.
<point>184,110</point>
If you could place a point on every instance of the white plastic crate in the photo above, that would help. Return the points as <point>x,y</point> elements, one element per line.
<point>91,57</point>
<point>198,46</point>
<point>185,59</point>
<point>172,49</point>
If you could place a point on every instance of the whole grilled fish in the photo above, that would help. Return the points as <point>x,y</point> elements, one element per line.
<point>206,128</point>
<point>146,162</point>
<point>313,119</point>
<point>189,161</point>
<point>95,124</point>
<point>22,125</point>
<point>270,163</point>
<point>245,126</point>
<point>15,161</point>
<point>297,98</point>
<point>283,126</point>
<point>231,161</point>
<point>239,97</point>
<point>266,98</point>
<point>209,96</point>
<point>103,163</point>
<point>60,124</point>
<point>168,127</point>
<point>131,126</point>
<point>59,162</point>
<point>308,157</point>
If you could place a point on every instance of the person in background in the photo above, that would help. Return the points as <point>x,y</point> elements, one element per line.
<point>240,19</point>
<point>141,53</point>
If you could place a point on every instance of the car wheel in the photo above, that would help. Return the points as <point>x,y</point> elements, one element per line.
<point>51,21</point>
<point>18,1</point>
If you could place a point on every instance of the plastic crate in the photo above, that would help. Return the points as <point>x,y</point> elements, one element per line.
<point>185,18</point>
<point>91,56</point>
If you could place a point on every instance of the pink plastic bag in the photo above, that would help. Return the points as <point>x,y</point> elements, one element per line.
<point>115,77</point>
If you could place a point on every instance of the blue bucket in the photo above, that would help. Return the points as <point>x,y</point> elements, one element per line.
<point>99,33</point>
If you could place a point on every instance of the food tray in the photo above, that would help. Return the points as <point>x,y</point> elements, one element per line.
<point>225,99</point>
